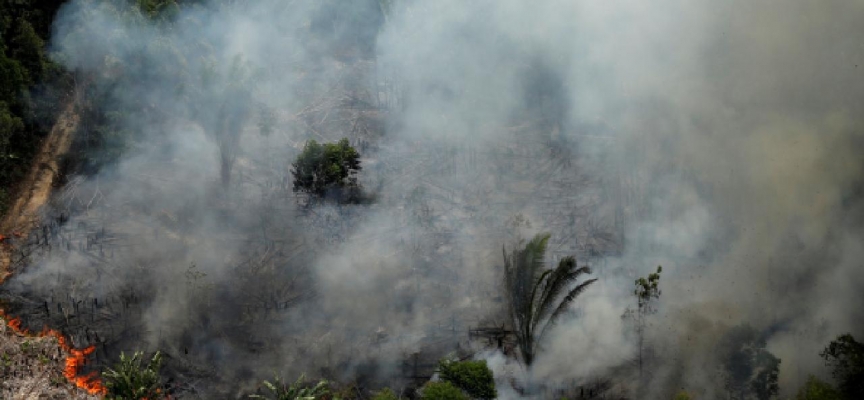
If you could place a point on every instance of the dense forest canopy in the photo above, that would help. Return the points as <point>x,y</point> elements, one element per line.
<point>31,86</point>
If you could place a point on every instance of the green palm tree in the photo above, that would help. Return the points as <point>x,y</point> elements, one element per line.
<point>539,296</point>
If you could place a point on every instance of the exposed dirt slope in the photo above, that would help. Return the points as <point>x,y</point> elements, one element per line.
<point>36,187</point>
<point>32,367</point>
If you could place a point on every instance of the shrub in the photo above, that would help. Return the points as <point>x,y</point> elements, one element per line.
<point>682,395</point>
<point>442,391</point>
<point>385,394</point>
<point>129,379</point>
<point>298,390</point>
<point>815,389</point>
<point>327,169</point>
<point>474,377</point>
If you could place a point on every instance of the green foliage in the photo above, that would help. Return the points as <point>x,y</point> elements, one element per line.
<point>39,14</point>
<point>648,288</point>
<point>683,395</point>
<point>845,356</point>
<point>13,78</point>
<point>749,369</point>
<point>764,384</point>
<point>327,169</point>
<point>474,377</point>
<point>647,291</point>
<point>299,390</point>
<point>29,51</point>
<point>12,128</point>
<point>442,391</point>
<point>385,394</point>
<point>24,27</point>
<point>816,389</point>
<point>158,9</point>
<point>129,379</point>
<point>10,125</point>
<point>539,296</point>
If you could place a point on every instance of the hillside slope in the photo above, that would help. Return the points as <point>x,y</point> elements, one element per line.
<point>36,186</point>
<point>33,367</point>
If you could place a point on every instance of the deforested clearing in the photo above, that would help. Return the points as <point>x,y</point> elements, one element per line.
<point>321,199</point>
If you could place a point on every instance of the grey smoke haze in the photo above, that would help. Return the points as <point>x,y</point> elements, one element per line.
<point>723,139</point>
<point>731,130</point>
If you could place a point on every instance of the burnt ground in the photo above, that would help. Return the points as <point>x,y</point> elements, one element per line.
<point>31,367</point>
<point>86,266</point>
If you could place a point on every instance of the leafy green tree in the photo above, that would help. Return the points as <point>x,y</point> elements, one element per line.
<point>816,389</point>
<point>764,384</point>
<point>130,379</point>
<point>749,369</point>
<point>474,377</point>
<point>299,390</point>
<point>39,14</point>
<point>442,391</point>
<point>539,296</point>
<point>845,356</point>
<point>327,169</point>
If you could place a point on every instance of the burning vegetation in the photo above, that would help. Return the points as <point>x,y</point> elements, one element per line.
<point>38,352</point>
<point>257,192</point>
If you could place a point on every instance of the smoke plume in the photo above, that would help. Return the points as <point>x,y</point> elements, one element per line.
<point>721,140</point>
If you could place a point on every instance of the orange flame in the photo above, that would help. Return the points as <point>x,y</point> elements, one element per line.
<point>75,359</point>
<point>15,324</point>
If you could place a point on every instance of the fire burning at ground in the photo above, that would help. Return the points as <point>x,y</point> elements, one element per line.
<point>186,224</point>
<point>76,359</point>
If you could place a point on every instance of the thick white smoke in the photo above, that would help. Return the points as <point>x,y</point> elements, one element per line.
<point>722,140</point>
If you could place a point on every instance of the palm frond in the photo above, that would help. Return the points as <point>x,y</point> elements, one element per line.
<point>130,379</point>
<point>535,291</point>
<point>535,254</point>
<point>565,303</point>
<point>295,391</point>
<point>566,274</point>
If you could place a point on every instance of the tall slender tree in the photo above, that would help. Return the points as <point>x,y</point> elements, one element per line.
<point>647,292</point>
